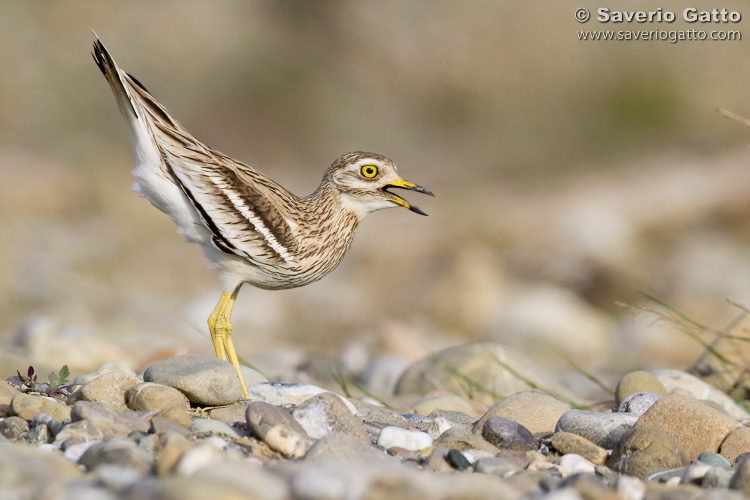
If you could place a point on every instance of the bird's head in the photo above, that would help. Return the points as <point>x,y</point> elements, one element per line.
<point>364,181</point>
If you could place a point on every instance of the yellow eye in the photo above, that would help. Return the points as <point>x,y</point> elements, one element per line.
<point>369,171</point>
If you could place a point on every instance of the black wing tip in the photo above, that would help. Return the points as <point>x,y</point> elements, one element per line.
<point>101,56</point>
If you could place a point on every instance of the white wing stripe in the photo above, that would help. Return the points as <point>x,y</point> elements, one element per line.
<point>254,220</point>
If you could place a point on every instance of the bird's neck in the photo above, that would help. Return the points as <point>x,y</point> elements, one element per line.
<point>328,221</point>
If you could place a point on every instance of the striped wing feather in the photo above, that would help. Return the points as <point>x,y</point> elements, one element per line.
<point>244,210</point>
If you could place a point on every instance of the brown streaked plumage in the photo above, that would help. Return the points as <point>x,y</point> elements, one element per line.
<point>250,228</point>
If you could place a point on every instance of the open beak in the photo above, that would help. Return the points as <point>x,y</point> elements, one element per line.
<point>402,184</point>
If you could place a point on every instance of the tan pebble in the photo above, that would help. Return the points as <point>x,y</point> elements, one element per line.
<point>695,426</point>
<point>536,411</point>
<point>638,381</point>
<point>736,443</point>
<point>179,416</point>
<point>567,443</point>
<point>149,396</point>
<point>109,389</point>
<point>171,447</point>
<point>28,414</point>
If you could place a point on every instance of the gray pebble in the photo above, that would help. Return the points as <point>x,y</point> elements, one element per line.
<point>343,448</point>
<point>638,402</point>
<point>108,421</point>
<point>116,451</point>
<point>209,426</point>
<point>278,429</point>
<point>325,413</point>
<point>507,434</point>
<point>714,459</point>
<point>38,435</point>
<point>602,429</point>
<point>205,380</point>
<point>741,479</point>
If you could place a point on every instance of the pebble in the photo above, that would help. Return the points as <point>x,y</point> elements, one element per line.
<point>437,460</point>
<point>736,443</point>
<point>38,435</point>
<point>14,428</point>
<point>536,411</point>
<point>209,426</point>
<point>246,477</point>
<point>455,417</point>
<point>278,429</point>
<point>325,413</point>
<point>638,381</point>
<point>110,422</point>
<point>696,427</point>
<point>457,460</point>
<point>679,382</point>
<point>148,396</point>
<point>344,448</point>
<point>205,380</point>
<point>637,403</point>
<point>507,434</point>
<point>229,414</point>
<point>39,404</point>
<point>278,394</point>
<point>602,429</point>
<point>482,362</point>
<point>75,451</point>
<point>7,391</point>
<point>204,453</point>
<point>642,452</point>
<point>630,488</point>
<point>567,442</point>
<point>439,426</point>
<point>78,432</point>
<point>462,439</point>
<point>496,466</point>
<point>31,472</point>
<point>714,459</point>
<point>108,389</point>
<point>169,450</point>
<point>574,464</point>
<point>116,451</point>
<point>741,479</point>
<point>177,416</point>
<point>392,436</point>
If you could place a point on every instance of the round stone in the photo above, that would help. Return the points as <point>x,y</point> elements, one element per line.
<point>638,381</point>
<point>205,380</point>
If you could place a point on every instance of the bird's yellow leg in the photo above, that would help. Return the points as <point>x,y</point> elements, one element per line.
<point>220,326</point>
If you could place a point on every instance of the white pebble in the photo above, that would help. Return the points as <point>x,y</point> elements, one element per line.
<point>392,436</point>
<point>278,394</point>
<point>75,451</point>
<point>630,488</point>
<point>574,464</point>
<point>439,426</point>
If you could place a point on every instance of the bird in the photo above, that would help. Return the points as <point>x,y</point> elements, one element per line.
<point>250,228</point>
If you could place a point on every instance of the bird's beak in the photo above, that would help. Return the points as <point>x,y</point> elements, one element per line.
<point>402,184</point>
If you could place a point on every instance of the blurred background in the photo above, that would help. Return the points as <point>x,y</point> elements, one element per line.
<point>569,176</point>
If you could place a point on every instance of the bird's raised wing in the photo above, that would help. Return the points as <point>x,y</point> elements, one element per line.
<point>247,213</point>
